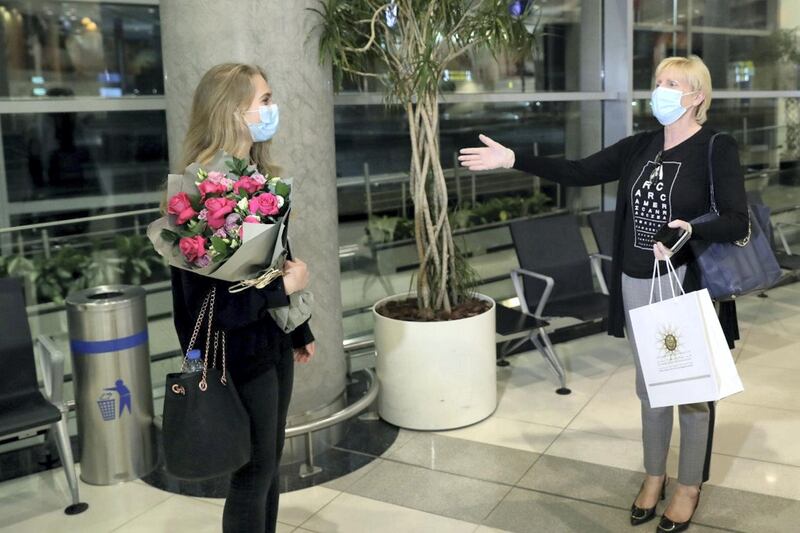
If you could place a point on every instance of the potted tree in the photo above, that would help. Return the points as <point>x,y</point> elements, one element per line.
<point>435,346</point>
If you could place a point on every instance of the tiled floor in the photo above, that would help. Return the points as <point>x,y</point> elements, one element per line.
<point>542,462</point>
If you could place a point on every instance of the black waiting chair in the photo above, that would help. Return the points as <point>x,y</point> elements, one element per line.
<point>24,410</point>
<point>602,224</point>
<point>786,258</point>
<point>554,279</point>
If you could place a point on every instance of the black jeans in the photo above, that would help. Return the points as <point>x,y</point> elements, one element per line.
<point>252,502</point>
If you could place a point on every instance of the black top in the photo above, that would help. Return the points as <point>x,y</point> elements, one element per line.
<point>630,161</point>
<point>254,341</point>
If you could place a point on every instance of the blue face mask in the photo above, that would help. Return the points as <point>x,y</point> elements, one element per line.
<point>666,105</point>
<point>265,128</point>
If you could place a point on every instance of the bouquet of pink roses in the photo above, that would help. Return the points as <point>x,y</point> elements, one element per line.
<point>224,221</point>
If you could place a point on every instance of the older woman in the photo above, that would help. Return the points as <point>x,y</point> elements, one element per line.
<point>663,179</point>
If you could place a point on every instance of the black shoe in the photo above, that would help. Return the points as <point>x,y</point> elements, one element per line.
<point>638,515</point>
<point>668,526</point>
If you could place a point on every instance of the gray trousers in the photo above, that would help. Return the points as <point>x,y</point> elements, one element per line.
<point>696,420</point>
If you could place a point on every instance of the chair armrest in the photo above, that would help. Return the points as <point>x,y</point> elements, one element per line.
<point>597,268</point>
<point>523,303</point>
<point>782,236</point>
<point>51,360</point>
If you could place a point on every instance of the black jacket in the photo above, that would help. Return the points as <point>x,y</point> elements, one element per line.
<point>617,162</point>
<point>254,341</point>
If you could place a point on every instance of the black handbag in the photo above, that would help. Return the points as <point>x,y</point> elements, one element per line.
<point>206,428</point>
<point>734,269</point>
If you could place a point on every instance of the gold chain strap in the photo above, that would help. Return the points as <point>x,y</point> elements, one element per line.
<point>743,242</point>
<point>196,331</point>
<point>208,305</point>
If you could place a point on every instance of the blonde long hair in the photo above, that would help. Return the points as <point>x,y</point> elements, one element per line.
<point>216,121</point>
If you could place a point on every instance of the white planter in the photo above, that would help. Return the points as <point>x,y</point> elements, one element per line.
<point>436,375</point>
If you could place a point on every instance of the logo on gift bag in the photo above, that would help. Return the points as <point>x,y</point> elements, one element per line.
<point>671,350</point>
<point>107,403</point>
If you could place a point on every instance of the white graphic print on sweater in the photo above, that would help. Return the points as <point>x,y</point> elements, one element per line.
<point>651,201</point>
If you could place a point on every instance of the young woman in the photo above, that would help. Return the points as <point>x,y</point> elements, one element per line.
<point>663,178</point>
<point>233,114</point>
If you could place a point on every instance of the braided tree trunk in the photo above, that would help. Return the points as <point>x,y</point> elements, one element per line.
<point>434,237</point>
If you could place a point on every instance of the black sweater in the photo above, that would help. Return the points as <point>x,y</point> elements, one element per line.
<point>625,162</point>
<point>254,341</point>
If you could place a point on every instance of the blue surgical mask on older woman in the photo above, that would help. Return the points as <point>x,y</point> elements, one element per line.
<point>265,128</point>
<point>666,104</point>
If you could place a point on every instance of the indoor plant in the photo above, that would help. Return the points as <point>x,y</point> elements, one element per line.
<point>407,45</point>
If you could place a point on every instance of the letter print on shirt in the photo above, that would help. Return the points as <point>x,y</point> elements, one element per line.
<point>651,200</point>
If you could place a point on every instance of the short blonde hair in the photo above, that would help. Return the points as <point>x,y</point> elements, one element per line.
<point>698,77</point>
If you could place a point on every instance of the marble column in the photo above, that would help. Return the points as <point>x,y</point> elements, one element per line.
<point>275,34</point>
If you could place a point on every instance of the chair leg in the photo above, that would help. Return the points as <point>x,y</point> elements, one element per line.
<point>507,348</point>
<point>61,431</point>
<point>549,353</point>
<point>387,285</point>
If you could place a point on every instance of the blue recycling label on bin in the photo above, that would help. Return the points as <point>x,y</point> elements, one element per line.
<point>112,345</point>
<point>107,402</point>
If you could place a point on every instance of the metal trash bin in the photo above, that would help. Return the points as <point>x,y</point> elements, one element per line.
<point>113,391</point>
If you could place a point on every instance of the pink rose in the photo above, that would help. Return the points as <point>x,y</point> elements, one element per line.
<point>209,187</point>
<point>215,176</point>
<point>181,206</point>
<point>264,204</point>
<point>260,179</point>
<point>218,209</point>
<point>193,248</point>
<point>252,219</point>
<point>248,184</point>
<point>220,179</point>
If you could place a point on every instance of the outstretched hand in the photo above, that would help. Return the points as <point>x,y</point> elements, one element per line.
<point>493,155</point>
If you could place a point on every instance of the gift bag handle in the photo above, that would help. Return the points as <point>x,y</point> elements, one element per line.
<point>672,275</point>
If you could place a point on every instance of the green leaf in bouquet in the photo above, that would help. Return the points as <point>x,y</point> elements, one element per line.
<point>219,245</point>
<point>198,228</point>
<point>196,203</point>
<point>170,236</point>
<point>283,189</point>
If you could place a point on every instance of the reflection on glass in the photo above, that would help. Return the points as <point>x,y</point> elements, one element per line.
<point>661,12</point>
<point>742,14</point>
<point>59,155</point>
<point>555,66</point>
<point>378,135</point>
<point>747,45</point>
<point>94,49</point>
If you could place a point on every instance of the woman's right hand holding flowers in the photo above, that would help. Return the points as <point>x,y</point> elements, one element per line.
<point>295,276</point>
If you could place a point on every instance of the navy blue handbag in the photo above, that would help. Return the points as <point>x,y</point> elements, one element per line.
<point>733,269</point>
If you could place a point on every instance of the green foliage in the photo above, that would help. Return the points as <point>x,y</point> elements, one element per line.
<point>389,229</point>
<point>406,45</point>
<point>139,261</point>
<point>132,260</point>
<point>238,167</point>
<point>221,248</point>
<point>409,55</point>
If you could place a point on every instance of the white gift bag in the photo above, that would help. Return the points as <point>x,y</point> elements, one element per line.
<point>682,349</point>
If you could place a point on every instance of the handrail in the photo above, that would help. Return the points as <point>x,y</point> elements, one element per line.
<point>54,223</point>
<point>340,416</point>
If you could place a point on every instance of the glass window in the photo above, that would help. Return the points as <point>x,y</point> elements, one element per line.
<point>79,49</point>
<point>768,133</point>
<point>747,44</point>
<point>61,155</point>
<point>556,65</point>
